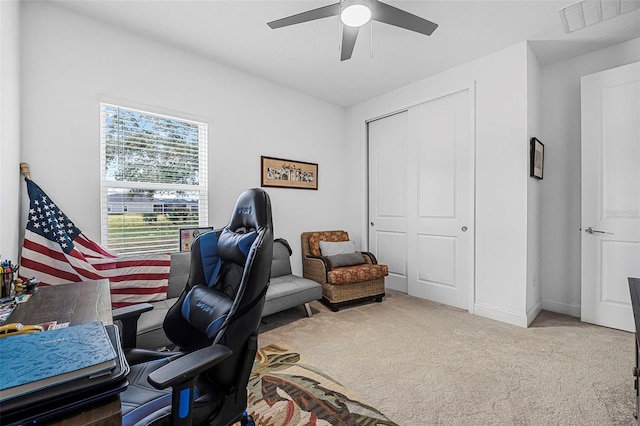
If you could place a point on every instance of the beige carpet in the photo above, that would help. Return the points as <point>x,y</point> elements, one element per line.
<point>422,363</point>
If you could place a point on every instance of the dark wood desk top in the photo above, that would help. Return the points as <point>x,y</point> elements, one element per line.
<point>75,303</point>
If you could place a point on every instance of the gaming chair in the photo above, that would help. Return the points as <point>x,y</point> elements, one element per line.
<point>214,324</point>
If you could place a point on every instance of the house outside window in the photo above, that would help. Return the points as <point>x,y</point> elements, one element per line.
<point>153,179</point>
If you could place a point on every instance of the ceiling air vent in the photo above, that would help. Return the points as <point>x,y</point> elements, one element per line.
<point>588,12</point>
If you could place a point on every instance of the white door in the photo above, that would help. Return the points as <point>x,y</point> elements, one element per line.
<point>421,197</point>
<point>440,183</point>
<point>388,196</point>
<point>610,194</point>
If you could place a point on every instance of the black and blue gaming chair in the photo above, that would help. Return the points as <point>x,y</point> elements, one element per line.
<point>214,324</point>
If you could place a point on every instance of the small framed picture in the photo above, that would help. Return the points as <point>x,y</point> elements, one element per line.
<point>187,235</point>
<point>537,159</point>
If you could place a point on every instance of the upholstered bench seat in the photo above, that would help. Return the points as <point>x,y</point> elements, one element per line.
<point>288,291</point>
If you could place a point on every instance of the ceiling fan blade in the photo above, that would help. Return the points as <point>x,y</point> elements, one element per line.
<point>393,16</point>
<point>349,36</point>
<point>309,15</point>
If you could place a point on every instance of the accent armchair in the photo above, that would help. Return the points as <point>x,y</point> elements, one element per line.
<point>347,276</point>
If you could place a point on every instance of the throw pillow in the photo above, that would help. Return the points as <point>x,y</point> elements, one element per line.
<point>347,259</point>
<point>329,248</point>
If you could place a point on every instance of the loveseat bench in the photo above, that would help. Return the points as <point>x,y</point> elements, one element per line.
<point>285,291</point>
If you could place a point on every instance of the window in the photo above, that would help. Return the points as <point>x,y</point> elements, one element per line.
<point>153,179</point>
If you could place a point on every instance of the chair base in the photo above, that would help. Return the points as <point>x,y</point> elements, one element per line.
<point>337,295</point>
<point>335,307</point>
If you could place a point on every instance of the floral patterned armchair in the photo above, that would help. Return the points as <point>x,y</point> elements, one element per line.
<point>346,275</point>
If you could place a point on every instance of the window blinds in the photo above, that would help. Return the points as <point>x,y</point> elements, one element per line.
<point>153,179</point>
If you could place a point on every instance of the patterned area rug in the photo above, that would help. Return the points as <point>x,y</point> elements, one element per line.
<point>284,389</point>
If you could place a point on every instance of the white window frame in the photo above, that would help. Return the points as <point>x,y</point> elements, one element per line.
<point>201,188</point>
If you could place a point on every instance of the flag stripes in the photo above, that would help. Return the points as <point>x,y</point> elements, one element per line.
<point>55,252</point>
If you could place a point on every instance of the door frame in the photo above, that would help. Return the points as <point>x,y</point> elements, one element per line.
<point>469,86</point>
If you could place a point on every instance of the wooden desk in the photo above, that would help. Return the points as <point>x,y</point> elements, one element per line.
<point>75,303</point>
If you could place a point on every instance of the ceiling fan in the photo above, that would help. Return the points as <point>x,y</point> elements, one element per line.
<point>356,13</point>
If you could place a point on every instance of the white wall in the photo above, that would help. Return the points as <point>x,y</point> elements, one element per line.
<point>70,61</point>
<point>561,185</point>
<point>9,129</point>
<point>502,162</point>
<point>534,192</point>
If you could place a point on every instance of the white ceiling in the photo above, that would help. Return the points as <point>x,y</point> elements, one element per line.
<point>305,57</point>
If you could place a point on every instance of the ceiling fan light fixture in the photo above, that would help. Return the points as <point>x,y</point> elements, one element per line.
<point>355,14</point>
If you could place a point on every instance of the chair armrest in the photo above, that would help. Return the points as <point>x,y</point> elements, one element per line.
<point>130,311</point>
<point>128,316</point>
<point>188,367</point>
<point>314,268</point>
<point>369,257</point>
<point>139,356</point>
<point>181,375</point>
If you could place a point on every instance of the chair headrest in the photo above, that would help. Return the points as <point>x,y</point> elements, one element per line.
<point>250,211</point>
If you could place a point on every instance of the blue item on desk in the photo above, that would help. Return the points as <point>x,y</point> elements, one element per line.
<point>30,362</point>
<point>43,405</point>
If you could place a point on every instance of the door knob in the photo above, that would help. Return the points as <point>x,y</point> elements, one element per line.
<point>590,230</point>
<point>464,229</point>
<point>372,224</point>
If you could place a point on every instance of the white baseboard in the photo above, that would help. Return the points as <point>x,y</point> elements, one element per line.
<point>561,308</point>
<point>499,314</point>
<point>533,312</point>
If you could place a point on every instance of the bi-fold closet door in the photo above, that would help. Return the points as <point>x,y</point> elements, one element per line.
<point>421,199</point>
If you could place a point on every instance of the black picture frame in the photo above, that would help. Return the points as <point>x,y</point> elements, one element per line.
<point>282,173</point>
<point>537,159</point>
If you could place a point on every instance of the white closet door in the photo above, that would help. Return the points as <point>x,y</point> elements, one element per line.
<point>420,199</point>
<point>388,196</point>
<point>440,226</point>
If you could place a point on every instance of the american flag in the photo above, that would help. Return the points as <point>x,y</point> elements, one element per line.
<point>55,251</point>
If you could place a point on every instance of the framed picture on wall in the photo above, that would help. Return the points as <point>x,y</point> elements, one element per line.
<point>537,158</point>
<point>281,173</point>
